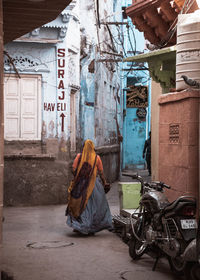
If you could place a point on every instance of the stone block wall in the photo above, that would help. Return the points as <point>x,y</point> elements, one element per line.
<point>110,156</point>
<point>35,180</point>
<point>179,142</point>
<point>43,179</point>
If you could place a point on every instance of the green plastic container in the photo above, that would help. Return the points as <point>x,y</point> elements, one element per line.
<point>129,194</point>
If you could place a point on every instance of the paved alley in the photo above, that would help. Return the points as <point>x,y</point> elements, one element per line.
<point>38,245</point>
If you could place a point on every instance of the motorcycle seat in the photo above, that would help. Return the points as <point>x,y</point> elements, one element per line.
<point>173,204</point>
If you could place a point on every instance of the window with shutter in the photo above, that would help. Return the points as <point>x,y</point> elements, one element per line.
<point>22,114</point>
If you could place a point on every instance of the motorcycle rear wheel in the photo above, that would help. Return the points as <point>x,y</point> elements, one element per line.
<point>192,271</point>
<point>177,265</point>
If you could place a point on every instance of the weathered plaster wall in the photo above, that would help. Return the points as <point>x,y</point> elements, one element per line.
<point>179,142</point>
<point>45,58</point>
<point>35,180</point>
<point>110,159</point>
<point>100,82</point>
<point>100,92</point>
<point>38,172</point>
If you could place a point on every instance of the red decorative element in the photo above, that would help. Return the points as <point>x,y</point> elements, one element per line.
<point>156,18</point>
<point>61,52</point>
<point>61,74</point>
<point>63,95</point>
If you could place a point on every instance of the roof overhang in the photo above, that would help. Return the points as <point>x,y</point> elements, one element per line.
<point>165,53</point>
<point>23,16</point>
<point>158,18</point>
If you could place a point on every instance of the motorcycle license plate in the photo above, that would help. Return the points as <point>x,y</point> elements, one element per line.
<point>188,224</point>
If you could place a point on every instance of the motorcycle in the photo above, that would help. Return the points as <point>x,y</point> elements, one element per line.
<point>192,261</point>
<point>160,228</point>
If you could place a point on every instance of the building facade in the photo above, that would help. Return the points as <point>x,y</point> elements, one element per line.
<point>62,86</point>
<point>175,107</point>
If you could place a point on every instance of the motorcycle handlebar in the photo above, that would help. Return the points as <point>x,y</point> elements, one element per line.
<point>132,175</point>
<point>139,178</point>
<point>165,185</point>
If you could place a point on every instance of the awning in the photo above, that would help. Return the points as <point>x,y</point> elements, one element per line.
<point>169,52</point>
<point>161,63</point>
<point>23,16</point>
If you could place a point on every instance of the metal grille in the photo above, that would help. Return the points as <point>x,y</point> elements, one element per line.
<point>174,137</point>
<point>121,220</point>
<point>172,227</point>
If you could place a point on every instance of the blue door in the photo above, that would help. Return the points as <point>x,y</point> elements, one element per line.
<point>135,128</point>
<point>134,138</point>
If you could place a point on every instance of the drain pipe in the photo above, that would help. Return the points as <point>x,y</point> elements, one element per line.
<point>1,127</point>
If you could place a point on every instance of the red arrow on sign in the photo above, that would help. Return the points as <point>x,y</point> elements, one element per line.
<point>63,117</point>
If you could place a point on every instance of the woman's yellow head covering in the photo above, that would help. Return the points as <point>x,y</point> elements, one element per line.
<point>88,155</point>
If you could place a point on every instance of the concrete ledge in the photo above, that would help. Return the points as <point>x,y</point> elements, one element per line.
<point>30,157</point>
<point>107,149</point>
<point>177,96</point>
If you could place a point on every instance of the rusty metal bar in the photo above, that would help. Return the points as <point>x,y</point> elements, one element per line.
<point>1,127</point>
<point>98,17</point>
<point>114,23</point>
<point>115,54</point>
<point>109,60</point>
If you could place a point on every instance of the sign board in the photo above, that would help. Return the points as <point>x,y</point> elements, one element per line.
<point>137,97</point>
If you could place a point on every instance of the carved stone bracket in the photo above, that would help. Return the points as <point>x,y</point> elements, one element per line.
<point>166,78</point>
<point>35,32</point>
<point>65,17</point>
<point>63,32</point>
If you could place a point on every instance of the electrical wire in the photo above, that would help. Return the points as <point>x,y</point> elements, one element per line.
<point>133,50</point>
<point>117,39</point>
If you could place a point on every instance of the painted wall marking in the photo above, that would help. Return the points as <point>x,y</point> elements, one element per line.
<point>62,117</point>
<point>61,85</point>
<point>59,106</point>
<point>53,106</point>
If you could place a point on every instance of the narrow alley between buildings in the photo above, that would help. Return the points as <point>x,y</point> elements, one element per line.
<point>39,245</point>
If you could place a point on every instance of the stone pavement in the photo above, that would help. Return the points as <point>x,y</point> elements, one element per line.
<point>38,245</point>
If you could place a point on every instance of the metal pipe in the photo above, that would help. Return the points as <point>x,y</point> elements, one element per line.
<point>1,127</point>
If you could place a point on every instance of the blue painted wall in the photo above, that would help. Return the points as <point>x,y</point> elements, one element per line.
<point>100,86</point>
<point>135,130</point>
